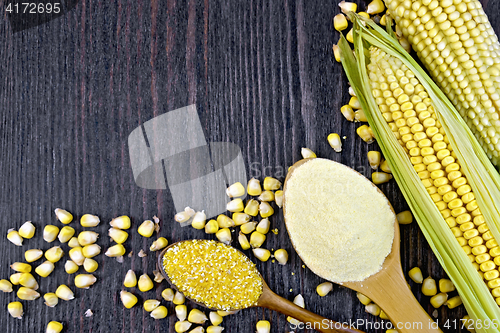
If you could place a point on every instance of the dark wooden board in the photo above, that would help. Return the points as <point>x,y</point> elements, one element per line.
<point>261,74</point>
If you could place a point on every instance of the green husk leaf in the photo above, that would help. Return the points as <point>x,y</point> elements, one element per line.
<point>482,176</point>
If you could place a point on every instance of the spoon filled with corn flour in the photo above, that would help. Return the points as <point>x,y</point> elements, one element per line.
<point>345,230</point>
<point>340,224</point>
<point>220,277</point>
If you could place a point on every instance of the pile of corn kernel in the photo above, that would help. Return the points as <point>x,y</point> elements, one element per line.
<point>214,274</point>
<point>242,215</point>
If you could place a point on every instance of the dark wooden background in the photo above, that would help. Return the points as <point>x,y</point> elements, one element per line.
<point>261,74</point>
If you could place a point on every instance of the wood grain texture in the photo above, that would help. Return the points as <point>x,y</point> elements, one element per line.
<point>261,74</point>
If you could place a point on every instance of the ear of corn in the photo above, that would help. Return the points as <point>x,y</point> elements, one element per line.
<point>457,44</point>
<point>439,165</point>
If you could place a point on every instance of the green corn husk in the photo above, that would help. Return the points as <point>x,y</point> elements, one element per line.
<point>482,176</point>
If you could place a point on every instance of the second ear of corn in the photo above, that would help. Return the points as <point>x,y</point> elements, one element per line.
<point>460,49</point>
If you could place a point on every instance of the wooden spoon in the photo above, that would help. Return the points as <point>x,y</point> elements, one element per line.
<point>271,301</point>
<point>387,288</point>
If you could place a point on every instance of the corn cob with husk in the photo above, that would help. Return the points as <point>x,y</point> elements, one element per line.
<point>455,41</point>
<point>448,181</point>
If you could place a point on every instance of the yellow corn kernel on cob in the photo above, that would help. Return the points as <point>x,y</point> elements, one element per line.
<point>455,41</point>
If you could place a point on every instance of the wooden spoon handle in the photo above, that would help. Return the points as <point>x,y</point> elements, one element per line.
<point>274,302</point>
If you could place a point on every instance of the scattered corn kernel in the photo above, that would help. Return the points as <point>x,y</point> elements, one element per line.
<point>115,251</point>
<point>281,255</point>
<point>90,265</point>
<point>76,254</point>
<point>454,302</point>
<point>50,233</point>
<point>89,220</point>
<point>215,318</point>
<point>223,313</point>
<point>14,237</point>
<point>364,14</point>
<point>214,329</point>
<point>151,304</point>
<point>375,7</point>
<point>336,52</point>
<point>64,293</point>
<point>271,184</point>
<point>236,190</point>
<point>335,142</point>
<point>21,267</point>
<point>63,215</point>
<point>185,215</point>
<point>438,300</point>
<point>374,158</point>
<point>128,299</point>
<point>347,112</point>
<point>241,218</point>
<point>263,326</point>
<point>278,198</point>
<point>130,279</point>
<point>73,242</point>
<point>87,237</point>
<point>252,207</point>
<point>45,269</point>
<point>307,153</point>
<point>54,254</point>
<point>235,205</point>
<point>90,251</point>
<point>224,236</point>
<point>5,286</point>
<point>145,283</point>
<point>159,244</point>
<point>365,133</point>
<point>354,103</point>
<point>146,229</point>
<point>27,230</point>
<point>265,209</point>
<point>211,227</point>
<point>159,313</point>
<point>248,227</point>
<point>261,254</point>
<point>199,220</point>
<point>243,240</point>
<point>347,7</point>
<point>257,239</point>
<point>416,275</point>
<point>117,235</point>
<point>380,177</point>
<point>266,196</point>
<point>120,222</point>
<point>27,294</point>
<point>182,326</point>
<point>446,286</point>
<point>27,280</point>
<point>198,329</point>
<point>224,221</point>
<point>383,315</point>
<point>14,278</point>
<point>383,20</point>
<point>350,39</point>
<point>181,312</point>
<point>197,317</point>
<point>404,217</point>
<point>54,327</point>
<point>429,287</point>
<point>360,116</point>
<point>51,299</point>
<point>363,299</point>
<point>15,309</point>
<point>324,288</point>
<point>168,294</point>
<point>253,188</point>
<point>33,255</point>
<point>71,267</point>
<point>263,226</point>
<point>340,22</point>
<point>384,166</point>
<point>373,309</point>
